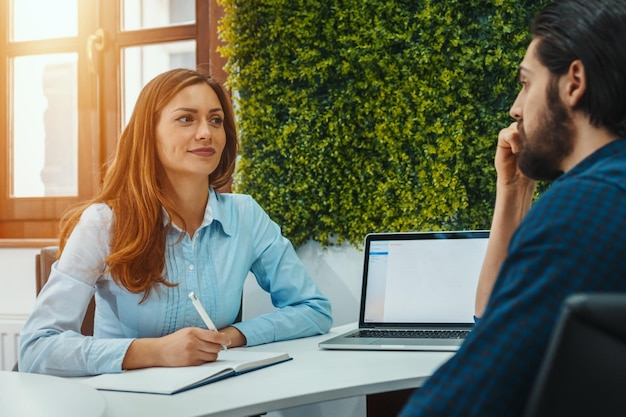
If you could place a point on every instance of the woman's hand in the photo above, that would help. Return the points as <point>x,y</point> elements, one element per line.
<point>186,347</point>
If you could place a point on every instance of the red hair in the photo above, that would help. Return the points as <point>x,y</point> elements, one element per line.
<point>133,189</point>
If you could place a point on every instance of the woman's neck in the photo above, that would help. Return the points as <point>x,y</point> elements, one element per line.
<point>190,202</point>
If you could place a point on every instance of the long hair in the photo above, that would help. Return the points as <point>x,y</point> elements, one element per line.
<point>132,185</point>
<point>593,32</point>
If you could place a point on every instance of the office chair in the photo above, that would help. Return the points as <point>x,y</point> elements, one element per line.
<point>584,370</point>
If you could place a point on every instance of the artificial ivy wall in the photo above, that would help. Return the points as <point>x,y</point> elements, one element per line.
<point>360,116</point>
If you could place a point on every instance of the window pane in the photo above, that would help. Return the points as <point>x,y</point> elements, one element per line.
<point>142,63</point>
<point>44,19</point>
<point>44,140</point>
<point>143,14</point>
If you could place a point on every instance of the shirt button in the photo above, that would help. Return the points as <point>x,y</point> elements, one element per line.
<point>192,267</point>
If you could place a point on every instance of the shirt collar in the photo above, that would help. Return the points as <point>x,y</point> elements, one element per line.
<point>214,210</point>
<point>217,211</point>
<point>613,148</point>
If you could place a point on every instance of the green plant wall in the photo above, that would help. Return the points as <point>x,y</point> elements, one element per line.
<point>360,116</point>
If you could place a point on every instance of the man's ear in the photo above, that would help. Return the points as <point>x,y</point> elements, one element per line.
<point>575,83</point>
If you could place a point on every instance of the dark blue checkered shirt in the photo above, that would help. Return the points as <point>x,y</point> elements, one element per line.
<point>572,240</point>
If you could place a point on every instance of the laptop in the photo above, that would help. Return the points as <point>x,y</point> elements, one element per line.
<point>418,291</point>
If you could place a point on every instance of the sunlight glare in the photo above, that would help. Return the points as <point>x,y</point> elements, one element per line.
<point>44,19</point>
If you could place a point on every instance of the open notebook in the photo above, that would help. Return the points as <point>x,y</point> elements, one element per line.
<point>173,380</point>
<point>418,291</point>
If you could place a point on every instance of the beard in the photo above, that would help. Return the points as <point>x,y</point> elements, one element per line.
<point>543,150</point>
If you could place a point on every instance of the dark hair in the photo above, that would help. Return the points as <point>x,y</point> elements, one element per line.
<point>593,31</point>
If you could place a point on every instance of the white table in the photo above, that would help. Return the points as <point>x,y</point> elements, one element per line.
<point>314,375</point>
<point>34,395</point>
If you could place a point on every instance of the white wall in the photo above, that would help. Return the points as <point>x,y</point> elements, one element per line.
<point>17,295</point>
<point>17,282</point>
<point>337,271</point>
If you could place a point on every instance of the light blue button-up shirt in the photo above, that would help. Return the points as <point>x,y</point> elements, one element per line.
<point>235,238</point>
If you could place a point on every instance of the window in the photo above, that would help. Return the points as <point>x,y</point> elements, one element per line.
<point>72,70</point>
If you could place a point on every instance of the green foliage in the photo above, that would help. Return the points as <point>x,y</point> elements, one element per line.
<point>360,116</point>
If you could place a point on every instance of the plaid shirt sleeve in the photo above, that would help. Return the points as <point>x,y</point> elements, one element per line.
<point>572,240</point>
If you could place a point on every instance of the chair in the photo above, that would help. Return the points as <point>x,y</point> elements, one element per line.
<point>44,260</point>
<point>584,370</point>
<point>43,264</point>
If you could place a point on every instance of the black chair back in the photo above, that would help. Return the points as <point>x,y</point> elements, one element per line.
<point>584,370</point>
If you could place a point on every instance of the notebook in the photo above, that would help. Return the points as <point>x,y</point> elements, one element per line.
<point>418,291</point>
<point>230,363</point>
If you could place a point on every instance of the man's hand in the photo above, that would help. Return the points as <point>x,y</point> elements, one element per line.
<point>507,169</point>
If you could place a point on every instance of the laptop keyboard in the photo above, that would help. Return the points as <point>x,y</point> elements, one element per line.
<point>413,334</point>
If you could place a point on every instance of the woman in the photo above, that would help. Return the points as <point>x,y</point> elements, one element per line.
<point>159,230</point>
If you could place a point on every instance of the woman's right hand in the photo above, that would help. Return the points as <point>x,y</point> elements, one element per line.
<point>186,347</point>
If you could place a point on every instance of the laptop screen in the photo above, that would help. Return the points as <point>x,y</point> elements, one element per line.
<point>421,278</point>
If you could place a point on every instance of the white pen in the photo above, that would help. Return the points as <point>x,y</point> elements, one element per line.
<point>205,317</point>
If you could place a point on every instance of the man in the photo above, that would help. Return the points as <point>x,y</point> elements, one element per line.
<point>570,127</point>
